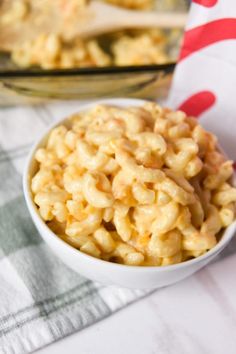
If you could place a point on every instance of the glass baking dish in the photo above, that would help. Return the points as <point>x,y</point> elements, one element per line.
<point>35,85</point>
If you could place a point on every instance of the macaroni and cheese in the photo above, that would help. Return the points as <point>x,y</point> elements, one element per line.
<point>138,186</point>
<point>50,50</point>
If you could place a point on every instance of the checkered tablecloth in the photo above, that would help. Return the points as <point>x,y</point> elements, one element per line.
<point>41,300</point>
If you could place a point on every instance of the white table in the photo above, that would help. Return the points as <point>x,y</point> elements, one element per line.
<point>195,316</point>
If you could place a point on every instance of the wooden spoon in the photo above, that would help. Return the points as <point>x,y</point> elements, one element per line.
<point>99,18</point>
<point>94,19</point>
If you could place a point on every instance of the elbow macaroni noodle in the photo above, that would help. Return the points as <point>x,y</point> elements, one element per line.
<point>137,186</point>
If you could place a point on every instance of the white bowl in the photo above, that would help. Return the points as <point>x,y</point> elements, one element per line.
<point>107,272</point>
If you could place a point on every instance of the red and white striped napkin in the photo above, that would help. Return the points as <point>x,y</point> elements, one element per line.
<point>204,83</point>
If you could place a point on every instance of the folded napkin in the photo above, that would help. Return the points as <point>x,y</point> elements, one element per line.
<point>205,77</point>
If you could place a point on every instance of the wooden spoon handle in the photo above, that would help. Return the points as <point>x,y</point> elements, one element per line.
<point>154,19</point>
<point>115,22</point>
<point>102,18</point>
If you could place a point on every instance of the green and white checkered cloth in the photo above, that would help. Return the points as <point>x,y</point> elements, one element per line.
<point>41,300</point>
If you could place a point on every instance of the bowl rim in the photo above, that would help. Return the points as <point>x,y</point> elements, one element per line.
<point>226,236</point>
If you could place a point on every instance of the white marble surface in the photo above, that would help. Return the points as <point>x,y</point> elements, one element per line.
<point>195,316</point>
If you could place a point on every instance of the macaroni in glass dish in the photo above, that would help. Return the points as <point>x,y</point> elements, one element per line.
<point>46,48</point>
<point>140,186</point>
